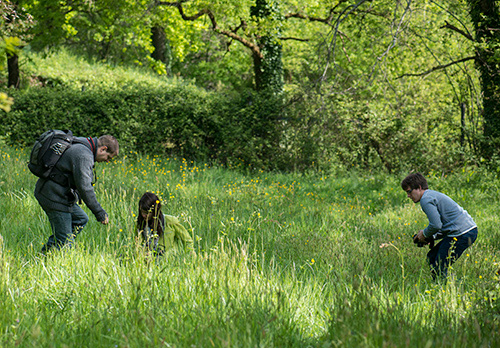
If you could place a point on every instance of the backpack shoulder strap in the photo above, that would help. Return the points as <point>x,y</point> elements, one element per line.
<point>89,142</point>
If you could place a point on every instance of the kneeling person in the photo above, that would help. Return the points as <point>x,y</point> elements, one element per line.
<point>160,232</point>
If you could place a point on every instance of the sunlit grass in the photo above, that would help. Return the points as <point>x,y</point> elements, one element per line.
<point>73,71</point>
<point>316,259</point>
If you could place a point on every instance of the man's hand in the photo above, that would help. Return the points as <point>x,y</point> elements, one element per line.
<point>419,237</point>
<point>105,221</point>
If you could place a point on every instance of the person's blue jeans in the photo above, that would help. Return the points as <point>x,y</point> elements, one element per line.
<point>446,252</point>
<point>65,226</point>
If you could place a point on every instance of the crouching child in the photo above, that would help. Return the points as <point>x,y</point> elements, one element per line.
<point>160,233</point>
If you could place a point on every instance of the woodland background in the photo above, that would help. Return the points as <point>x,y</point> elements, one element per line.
<point>288,85</point>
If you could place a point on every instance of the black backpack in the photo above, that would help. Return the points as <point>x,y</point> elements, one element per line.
<point>47,151</point>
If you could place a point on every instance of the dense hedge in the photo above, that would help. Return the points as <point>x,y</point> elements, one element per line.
<point>183,121</point>
<point>256,130</point>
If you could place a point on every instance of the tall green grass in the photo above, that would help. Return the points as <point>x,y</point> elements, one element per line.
<point>297,260</point>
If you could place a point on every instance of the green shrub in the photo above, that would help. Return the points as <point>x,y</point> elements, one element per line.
<point>181,121</point>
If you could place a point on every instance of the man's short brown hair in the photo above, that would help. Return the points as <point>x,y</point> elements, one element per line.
<point>414,181</point>
<point>110,142</point>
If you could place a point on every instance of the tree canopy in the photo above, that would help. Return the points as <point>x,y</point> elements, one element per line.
<point>379,70</point>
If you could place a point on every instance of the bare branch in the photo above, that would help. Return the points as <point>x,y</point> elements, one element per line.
<point>229,33</point>
<point>243,25</point>
<point>172,4</point>
<point>454,28</point>
<point>439,67</point>
<point>255,48</point>
<point>294,38</point>
<point>395,36</point>
<point>335,31</point>
<point>312,19</point>
<point>454,16</point>
<point>327,20</point>
<point>436,58</point>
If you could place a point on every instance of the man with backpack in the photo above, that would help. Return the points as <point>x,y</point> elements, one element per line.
<point>71,181</point>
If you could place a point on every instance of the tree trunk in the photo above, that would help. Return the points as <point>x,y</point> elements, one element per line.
<point>158,37</point>
<point>162,52</point>
<point>268,69</point>
<point>257,69</point>
<point>485,16</point>
<point>13,68</point>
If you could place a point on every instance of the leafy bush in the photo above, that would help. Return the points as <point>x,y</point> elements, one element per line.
<point>181,120</point>
<point>342,132</point>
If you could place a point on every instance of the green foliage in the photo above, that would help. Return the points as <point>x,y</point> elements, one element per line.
<point>158,115</point>
<point>15,21</point>
<point>253,130</point>
<point>485,16</point>
<point>14,26</point>
<point>12,45</point>
<point>112,31</point>
<point>340,132</point>
<point>374,115</point>
<point>5,102</point>
<point>182,121</point>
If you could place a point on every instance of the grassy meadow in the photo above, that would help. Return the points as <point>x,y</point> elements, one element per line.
<point>281,260</point>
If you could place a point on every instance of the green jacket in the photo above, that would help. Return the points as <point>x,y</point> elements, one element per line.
<point>175,237</point>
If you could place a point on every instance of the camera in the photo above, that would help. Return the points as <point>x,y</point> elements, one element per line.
<point>419,244</point>
<point>430,241</point>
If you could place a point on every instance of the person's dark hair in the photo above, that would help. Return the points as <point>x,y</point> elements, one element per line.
<point>110,142</point>
<point>414,181</point>
<point>150,202</point>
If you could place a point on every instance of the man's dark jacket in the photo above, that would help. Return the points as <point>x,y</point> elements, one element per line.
<point>77,163</point>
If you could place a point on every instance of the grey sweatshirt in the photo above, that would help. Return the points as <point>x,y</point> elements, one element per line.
<point>78,163</point>
<point>444,215</point>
